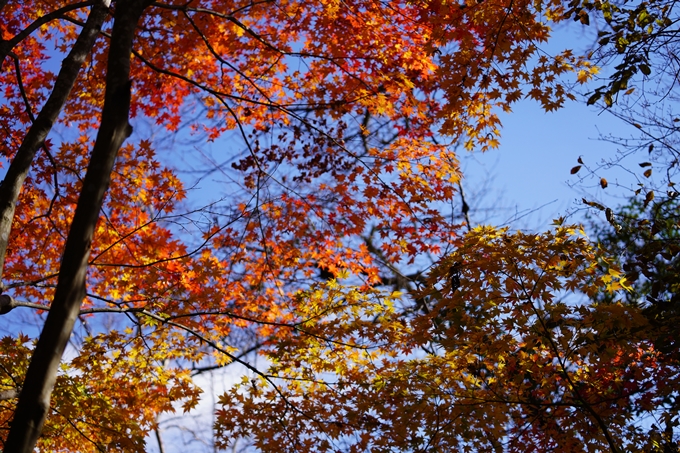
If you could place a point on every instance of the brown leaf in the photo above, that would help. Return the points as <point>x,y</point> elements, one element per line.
<point>603,183</point>
<point>575,169</point>
<point>649,197</point>
<point>593,204</point>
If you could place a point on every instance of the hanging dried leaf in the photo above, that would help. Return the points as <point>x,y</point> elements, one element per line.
<point>649,197</point>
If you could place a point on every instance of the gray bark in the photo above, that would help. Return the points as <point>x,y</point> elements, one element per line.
<point>34,400</point>
<point>35,138</point>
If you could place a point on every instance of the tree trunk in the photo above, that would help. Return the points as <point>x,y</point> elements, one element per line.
<point>35,138</point>
<point>34,400</point>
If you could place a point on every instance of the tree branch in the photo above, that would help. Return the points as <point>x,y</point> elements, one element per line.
<point>7,46</point>
<point>42,125</point>
<point>34,404</point>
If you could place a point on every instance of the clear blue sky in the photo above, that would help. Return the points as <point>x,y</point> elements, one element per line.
<point>526,182</point>
<point>528,176</point>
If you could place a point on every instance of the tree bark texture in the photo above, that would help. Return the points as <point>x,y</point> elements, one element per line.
<point>35,138</point>
<point>34,400</point>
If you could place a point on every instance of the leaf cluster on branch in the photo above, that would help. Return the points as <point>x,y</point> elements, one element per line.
<point>325,122</point>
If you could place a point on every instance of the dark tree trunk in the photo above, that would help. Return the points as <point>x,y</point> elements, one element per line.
<point>35,138</point>
<point>34,400</point>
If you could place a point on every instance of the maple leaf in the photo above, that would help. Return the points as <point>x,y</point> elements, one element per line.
<point>325,115</point>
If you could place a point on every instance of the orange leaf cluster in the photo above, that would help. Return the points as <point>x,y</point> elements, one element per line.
<point>325,115</point>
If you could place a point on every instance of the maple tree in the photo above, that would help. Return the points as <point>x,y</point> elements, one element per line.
<point>512,362</point>
<point>642,234</point>
<point>528,342</point>
<point>639,41</point>
<point>644,238</point>
<point>333,107</point>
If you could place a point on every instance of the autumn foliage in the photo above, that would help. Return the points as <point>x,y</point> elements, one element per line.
<point>334,125</point>
<point>509,357</point>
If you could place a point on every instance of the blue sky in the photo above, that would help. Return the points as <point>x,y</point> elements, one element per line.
<point>529,174</point>
<point>526,182</point>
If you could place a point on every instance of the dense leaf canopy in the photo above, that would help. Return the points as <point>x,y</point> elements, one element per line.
<point>329,247</point>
